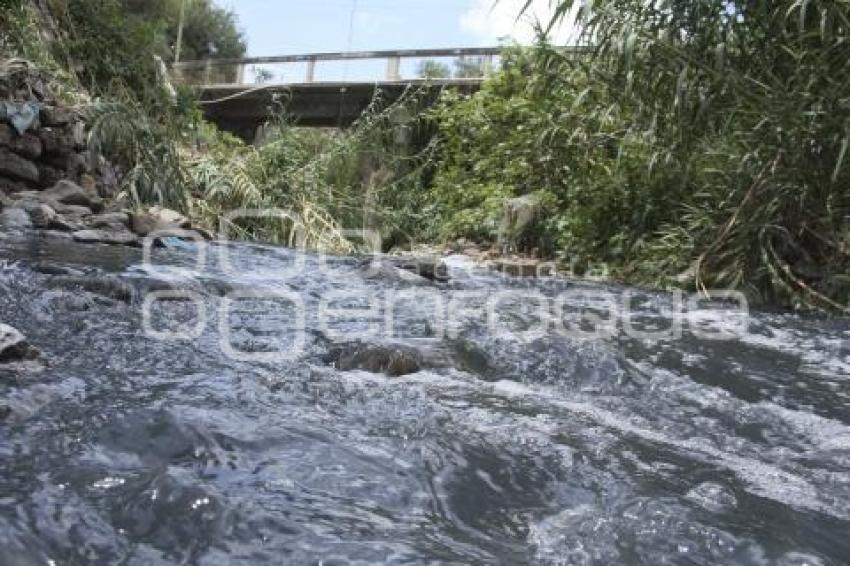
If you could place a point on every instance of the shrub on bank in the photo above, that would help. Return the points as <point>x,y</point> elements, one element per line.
<point>695,143</point>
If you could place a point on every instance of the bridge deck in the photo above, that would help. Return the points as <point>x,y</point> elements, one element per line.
<point>241,109</point>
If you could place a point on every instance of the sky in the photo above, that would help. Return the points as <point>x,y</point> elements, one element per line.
<point>280,27</point>
<point>276,27</point>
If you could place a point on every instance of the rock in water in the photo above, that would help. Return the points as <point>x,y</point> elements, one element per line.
<point>110,220</point>
<point>431,268</point>
<point>67,192</point>
<point>15,218</point>
<point>390,359</point>
<point>385,271</point>
<point>157,219</point>
<point>108,287</point>
<point>42,216</point>
<point>14,346</point>
<point>111,237</point>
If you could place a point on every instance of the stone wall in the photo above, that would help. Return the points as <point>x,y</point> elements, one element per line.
<point>52,148</point>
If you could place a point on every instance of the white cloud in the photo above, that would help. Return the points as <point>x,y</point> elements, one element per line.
<point>490,21</point>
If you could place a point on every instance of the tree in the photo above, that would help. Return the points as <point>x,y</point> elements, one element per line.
<point>209,30</point>
<point>469,67</point>
<point>262,75</point>
<point>430,69</point>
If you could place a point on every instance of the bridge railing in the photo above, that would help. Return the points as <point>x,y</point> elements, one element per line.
<point>398,65</point>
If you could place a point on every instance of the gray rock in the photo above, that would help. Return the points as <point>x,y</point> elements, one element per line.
<point>156,219</point>
<point>110,220</point>
<point>58,115</point>
<point>111,237</point>
<point>519,214</point>
<point>27,145</point>
<point>55,235</point>
<point>15,219</point>
<point>48,176</point>
<point>8,186</point>
<point>521,267</point>
<point>109,184</point>
<point>72,164</point>
<point>16,167</point>
<point>431,268</point>
<point>48,268</point>
<point>67,224</point>
<point>67,192</point>
<point>108,287</point>
<point>385,271</point>
<point>41,215</point>
<point>57,141</point>
<point>78,212</point>
<point>14,346</point>
<point>394,360</point>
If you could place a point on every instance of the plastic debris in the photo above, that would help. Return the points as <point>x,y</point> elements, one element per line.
<point>22,115</point>
<point>175,242</point>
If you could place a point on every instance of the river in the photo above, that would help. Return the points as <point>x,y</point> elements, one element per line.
<point>264,406</point>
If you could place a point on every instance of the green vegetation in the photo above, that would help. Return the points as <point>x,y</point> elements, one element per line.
<point>697,143</point>
<point>112,42</point>
<point>430,69</point>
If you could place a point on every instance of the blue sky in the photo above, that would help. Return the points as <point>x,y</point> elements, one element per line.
<point>280,27</point>
<point>276,27</point>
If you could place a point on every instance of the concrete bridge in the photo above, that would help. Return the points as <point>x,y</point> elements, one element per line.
<point>242,107</point>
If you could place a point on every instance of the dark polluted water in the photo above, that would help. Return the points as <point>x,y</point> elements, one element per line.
<point>270,407</point>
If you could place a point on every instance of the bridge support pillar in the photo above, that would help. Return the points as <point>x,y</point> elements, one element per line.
<point>394,69</point>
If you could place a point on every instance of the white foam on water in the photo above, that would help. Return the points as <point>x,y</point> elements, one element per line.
<point>761,478</point>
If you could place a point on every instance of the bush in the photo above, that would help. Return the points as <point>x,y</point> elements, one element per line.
<point>696,142</point>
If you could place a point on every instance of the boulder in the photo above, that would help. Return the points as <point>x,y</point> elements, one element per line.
<point>49,268</point>
<point>519,215</point>
<point>73,210</point>
<point>48,176</point>
<point>521,267</point>
<point>67,192</point>
<point>55,235</point>
<point>394,360</point>
<point>27,145</point>
<point>67,223</point>
<point>109,184</point>
<point>110,220</point>
<point>57,141</point>
<point>157,219</point>
<point>431,268</point>
<point>14,346</point>
<point>72,164</point>
<point>15,219</point>
<point>108,287</point>
<point>386,271</point>
<point>58,115</point>
<point>8,186</point>
<point>111,237</point>
<point>41,215</point>
<point>16,167</point>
